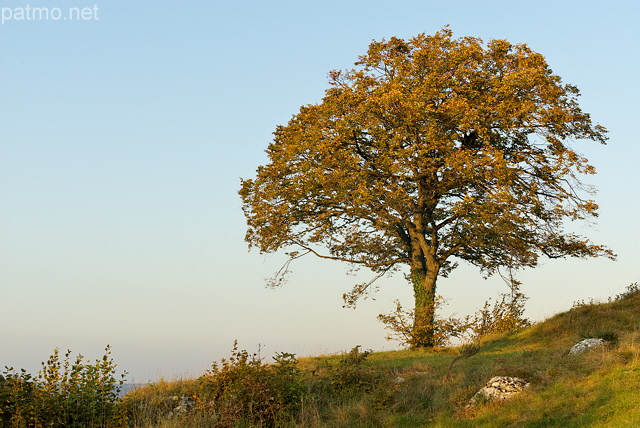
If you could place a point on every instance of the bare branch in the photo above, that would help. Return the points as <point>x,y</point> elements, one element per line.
<point>280,277</point>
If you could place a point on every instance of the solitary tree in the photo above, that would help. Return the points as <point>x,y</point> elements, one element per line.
<point>432,149</point>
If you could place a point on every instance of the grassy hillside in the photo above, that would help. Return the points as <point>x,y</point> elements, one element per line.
<point>362,389</point>
<point>431,388</point>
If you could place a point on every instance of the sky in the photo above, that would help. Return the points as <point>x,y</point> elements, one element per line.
<point>124,133</point>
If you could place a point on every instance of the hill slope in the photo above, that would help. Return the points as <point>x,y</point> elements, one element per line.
<point>432,388</point>
<point>597,388</point>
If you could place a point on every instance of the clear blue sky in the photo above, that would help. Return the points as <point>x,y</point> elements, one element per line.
<point>123,138</point>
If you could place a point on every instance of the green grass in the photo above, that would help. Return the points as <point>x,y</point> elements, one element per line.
<point>598,388</point>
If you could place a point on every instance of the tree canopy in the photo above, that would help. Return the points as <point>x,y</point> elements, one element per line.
<point>431,150</point>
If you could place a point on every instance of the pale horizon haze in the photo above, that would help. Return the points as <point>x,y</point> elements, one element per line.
<point>124,133</point>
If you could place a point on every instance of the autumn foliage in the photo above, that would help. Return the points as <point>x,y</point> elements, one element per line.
<point>432,150</point>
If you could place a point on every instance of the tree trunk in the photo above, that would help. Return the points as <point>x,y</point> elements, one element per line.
<point>424,291</point>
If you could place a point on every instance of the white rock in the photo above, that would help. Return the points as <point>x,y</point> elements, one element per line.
<point>585,345</point>
<point>499,388</point>
<point>398,380</point>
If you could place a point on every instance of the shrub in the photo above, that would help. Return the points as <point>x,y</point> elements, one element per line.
<point>400,324</point>
<point>242,389</point>
<point>63,394</point>
<point>16,397</point>
<point>632,289</point>
<point>505,315</point>
<point>351,376</point>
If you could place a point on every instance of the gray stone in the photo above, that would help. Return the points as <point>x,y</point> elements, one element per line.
<point>586,344</point>
<point>498,388</point>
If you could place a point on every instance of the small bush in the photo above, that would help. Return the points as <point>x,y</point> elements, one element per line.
<point>63,394</point>
<point>400,324</point>
<point>505,315</point>
<point>352,374</point>
<point>349,378</point>
<point>242,389</point>
<point>16,397</point>
<point>632,289</point>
